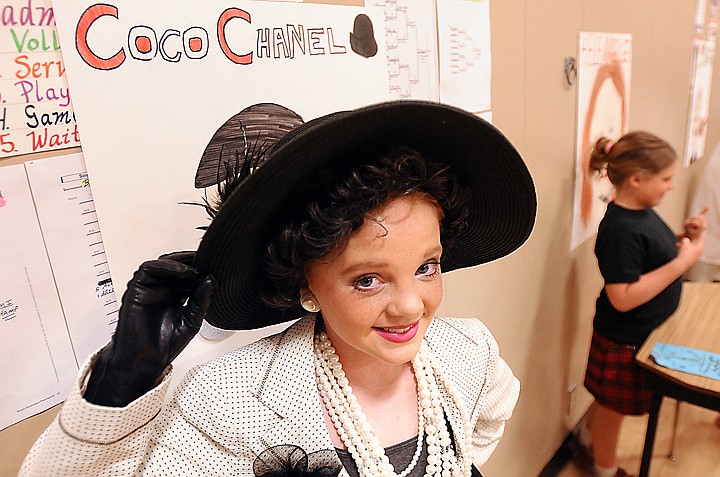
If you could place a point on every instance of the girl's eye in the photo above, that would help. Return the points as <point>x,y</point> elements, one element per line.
<point>429,269</point>
<point>366,283</point>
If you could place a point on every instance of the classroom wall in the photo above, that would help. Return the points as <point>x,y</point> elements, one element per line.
<point>539,302</point>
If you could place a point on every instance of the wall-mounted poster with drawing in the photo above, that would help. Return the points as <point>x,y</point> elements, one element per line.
<point>155,85</point>
<point>699,105</point>
<point>36,112</point>
<point>603,83</point>
<point>701,72</point>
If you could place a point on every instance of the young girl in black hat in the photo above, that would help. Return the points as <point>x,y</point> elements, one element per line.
<point>642,261</point>
<point>344,225</point>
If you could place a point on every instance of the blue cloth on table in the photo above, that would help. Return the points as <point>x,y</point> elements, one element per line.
<point>689,360</point>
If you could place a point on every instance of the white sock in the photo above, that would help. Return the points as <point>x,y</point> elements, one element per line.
<point>605,471</point>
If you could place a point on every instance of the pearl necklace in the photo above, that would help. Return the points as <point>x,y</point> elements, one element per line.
<point>354,429</point>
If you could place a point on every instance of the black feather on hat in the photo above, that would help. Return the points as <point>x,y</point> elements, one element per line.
<point>501,195</point>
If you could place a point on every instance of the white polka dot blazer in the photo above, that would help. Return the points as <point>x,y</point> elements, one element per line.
<point>227,412</point>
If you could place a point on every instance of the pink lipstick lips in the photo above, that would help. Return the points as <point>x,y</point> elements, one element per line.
<point>398,334</point>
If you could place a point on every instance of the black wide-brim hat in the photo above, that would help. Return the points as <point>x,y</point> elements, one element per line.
<point>502,201</point>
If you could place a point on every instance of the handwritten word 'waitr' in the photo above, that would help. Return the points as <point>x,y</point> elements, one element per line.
<point>145,44</point>
<point>45,139</point>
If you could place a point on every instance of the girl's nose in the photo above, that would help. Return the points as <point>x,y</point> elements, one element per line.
<point>406,302</point>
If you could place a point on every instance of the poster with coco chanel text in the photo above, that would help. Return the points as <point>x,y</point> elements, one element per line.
<point>154,81</point>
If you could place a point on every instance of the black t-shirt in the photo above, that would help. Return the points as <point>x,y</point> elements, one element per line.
<point>400,456</point>
<point>629,244</point>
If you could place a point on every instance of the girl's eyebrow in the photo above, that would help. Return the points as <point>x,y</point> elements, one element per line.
<point>364,265</point>
<point>375,264</point>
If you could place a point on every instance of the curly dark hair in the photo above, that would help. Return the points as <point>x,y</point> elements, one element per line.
<point>336,203</point>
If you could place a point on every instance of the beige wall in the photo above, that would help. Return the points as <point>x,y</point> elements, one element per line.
<point>539,301</point>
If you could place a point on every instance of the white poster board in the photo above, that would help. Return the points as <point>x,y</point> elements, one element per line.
<point>465,58</point>
<point>701,72</point>
<point>603,84</point>
<point>701,84</point>
<point>66,211</point>
<point>38,364</point>
<point>153,81</point>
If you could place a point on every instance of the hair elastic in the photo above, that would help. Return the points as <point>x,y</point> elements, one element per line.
<point>608,147</point>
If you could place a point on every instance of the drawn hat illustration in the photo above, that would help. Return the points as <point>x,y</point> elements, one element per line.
<point>253,129</point>
<point>502,202</point>
<point>362,38</point>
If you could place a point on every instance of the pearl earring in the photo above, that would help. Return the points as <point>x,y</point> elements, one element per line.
<point>309,303</point>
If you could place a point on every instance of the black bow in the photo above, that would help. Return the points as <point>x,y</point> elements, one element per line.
<point>288,460</point>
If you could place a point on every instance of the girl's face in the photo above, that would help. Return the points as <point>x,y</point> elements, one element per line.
<point>652,188</point>
<point>378,296</point>
<point>642,189</point>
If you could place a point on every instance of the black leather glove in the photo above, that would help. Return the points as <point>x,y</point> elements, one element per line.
<point>161,311</point>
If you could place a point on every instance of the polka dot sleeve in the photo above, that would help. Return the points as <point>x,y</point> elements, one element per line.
<point>486,382</point>
<point>86,439</point>
<point>497,408</point>
<point>498,396</point>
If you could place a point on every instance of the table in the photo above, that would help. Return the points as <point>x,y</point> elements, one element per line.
<point>695,324</point>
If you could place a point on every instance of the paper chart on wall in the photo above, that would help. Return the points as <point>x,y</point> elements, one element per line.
<point>465,58</point>
<point>36,112</point>
<point>411,39</point>
<point>66,210</point>
<point>38,365</point>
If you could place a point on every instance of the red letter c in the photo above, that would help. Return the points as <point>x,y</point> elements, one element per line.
<point>226,16</point>
<point>86,20</point>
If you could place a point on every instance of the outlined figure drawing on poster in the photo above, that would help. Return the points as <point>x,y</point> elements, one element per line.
<point>603,84</point>
<point>594,187</point>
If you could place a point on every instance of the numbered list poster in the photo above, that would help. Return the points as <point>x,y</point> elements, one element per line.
<point>36,112</point>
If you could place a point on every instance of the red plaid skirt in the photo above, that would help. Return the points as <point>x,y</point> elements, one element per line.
<point>615,379</point>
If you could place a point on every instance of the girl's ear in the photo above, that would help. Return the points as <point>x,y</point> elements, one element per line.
<point>635,179</point>
<point>305,289</point>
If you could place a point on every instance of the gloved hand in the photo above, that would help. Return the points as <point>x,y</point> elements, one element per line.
<point>161,311</point>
